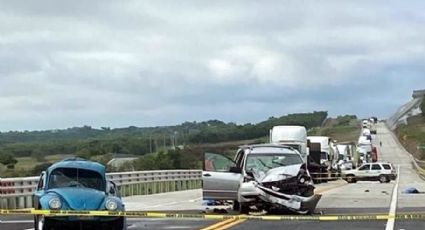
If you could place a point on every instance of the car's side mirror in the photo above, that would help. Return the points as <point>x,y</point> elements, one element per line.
<point>235,169</point>
<point>112,188</point>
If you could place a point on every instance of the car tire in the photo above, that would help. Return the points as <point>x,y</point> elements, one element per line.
<point>235,205</point>
<point>383,179</point>
<point>42,223</point>
<point>118,224</point>
<point>243,208</point>
<point>351,179</point>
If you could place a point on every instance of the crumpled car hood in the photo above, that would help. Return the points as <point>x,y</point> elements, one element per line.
<point>279,173</point>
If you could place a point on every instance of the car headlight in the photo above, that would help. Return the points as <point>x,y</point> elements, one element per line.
<point>111,205</point>
<point>55,203</point>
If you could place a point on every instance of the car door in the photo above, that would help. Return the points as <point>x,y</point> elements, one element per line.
<point>363,172</point>
<point>40,189</point>
<point>375,171</point>
<point>220,177</point>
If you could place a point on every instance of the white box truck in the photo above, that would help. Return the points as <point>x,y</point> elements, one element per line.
<point>372,128</point>
<point>364,147</point>
<point>328,156</point>
<point>293,136</point>
<point>327,153</point>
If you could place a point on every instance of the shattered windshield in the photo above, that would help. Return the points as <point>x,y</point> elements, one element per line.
<point>74,177</point>
<point>265,162</point>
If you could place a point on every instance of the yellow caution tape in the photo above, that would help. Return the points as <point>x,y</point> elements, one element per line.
<point>144,214</point>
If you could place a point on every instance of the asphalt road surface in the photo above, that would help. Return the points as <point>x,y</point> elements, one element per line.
<point>338,198</point>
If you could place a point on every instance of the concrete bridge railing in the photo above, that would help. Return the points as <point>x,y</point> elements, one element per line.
<point>18,192</point>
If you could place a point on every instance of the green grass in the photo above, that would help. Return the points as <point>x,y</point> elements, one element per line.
<point>347,131</point>
<point>25,163</point>
<point>412,135</point>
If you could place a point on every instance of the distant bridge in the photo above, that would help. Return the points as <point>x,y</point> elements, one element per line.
<point>407,110</point>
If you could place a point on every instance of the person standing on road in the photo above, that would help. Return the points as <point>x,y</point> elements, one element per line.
<point>380,143</point>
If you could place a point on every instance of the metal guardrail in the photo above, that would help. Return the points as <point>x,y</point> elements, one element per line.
<point>18,192</point>
<point>420,169</point>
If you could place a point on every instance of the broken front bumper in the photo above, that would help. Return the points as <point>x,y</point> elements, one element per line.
<point>249,192</point>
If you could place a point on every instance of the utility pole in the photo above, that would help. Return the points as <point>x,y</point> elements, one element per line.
<point>172,141</point>
<point>150,142</point>
<point>163,136</point>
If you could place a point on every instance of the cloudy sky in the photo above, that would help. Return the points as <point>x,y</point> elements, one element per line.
<point>148,63</point>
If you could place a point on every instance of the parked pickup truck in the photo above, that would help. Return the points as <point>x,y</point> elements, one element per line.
<point>379,171</point>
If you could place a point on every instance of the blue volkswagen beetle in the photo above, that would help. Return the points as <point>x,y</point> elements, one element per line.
<point>77,184</point>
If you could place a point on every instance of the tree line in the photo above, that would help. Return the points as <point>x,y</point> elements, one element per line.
<point>89,142</point>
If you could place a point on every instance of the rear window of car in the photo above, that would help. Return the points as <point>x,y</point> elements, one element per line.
<point>376,167</point>
<point>386,166</point>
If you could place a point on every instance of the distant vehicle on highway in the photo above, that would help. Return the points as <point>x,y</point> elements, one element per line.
<point>328,156</point>
<point>77,184</point>
<point>364,147</point>
<point>372,127</point>
<point>365,124</point>
<point>290,135</point>
<point>267,177</point>
<point>380,171</point>
<point>374,156</point>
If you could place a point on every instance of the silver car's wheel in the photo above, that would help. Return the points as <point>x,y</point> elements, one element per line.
<point>41,223</point>
<point>244,208</point>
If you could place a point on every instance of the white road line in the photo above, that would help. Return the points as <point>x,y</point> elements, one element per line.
<point>393,205</point>
<point>173,203</point>
<point>16,221</point>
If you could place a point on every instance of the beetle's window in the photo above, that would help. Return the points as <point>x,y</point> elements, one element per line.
<point>73,177</point>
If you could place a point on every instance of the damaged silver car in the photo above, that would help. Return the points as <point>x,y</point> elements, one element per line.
<point>260,177</point>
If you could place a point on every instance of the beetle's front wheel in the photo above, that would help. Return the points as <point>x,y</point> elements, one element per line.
<point>118,224</point>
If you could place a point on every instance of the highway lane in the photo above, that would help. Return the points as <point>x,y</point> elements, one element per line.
<point>367,197</point>
<point>312,225</point>
<point>180,202</point>
<point>338,198</point>
<point>392,151</point>
<point>132,224</point>
<point>188,202</point>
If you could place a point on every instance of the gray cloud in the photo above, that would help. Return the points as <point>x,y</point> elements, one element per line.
<point>115,63</point>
